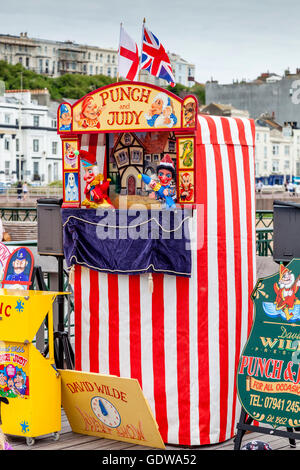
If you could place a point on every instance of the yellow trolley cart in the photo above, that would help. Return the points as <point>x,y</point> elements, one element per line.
<point>28,380</point>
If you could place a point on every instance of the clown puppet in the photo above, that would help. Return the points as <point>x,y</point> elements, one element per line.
<point>96,187</point>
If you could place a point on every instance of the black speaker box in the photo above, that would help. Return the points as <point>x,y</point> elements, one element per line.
<point>286,231</point>
<point>50,231</point>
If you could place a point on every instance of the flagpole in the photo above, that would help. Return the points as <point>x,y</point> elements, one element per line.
<point>119,52</point>
<point>144,21</point>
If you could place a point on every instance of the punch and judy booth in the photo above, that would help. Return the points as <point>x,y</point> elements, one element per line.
<point>159,230</point>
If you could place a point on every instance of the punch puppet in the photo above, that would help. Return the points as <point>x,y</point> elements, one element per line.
<point>96,188</point>
<point>163,190</point>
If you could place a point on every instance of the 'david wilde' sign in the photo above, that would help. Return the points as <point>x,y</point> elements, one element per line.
<point>268,376</point>
<point>108,407</point>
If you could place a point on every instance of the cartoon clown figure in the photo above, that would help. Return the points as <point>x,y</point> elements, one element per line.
<point>96,188</point>
<point>285,290</point>
<point>186,187</point>
<point>65,118</point>
<point>90,113</point>
<point>160,113</point>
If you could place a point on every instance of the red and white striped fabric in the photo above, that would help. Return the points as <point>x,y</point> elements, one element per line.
<point>183,342</point>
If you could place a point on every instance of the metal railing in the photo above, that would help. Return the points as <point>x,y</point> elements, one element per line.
<point>264,232</point>
<point>18,214</point>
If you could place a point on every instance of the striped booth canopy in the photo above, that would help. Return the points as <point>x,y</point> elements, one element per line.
<point>183,341</point>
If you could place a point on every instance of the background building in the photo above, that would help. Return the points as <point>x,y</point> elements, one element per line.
<point>277,152</point>
<point>30,149</point>
<point>55,58</point>
<point>277,96</point>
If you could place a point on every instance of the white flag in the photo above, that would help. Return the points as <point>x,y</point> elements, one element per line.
<point>128,56</point>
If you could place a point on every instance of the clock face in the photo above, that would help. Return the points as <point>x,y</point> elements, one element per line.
<point>106,412</point>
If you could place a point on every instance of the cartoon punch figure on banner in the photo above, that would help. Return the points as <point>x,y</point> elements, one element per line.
<point>286,304</point>
<point>96,187</point>
<point>286,291</point>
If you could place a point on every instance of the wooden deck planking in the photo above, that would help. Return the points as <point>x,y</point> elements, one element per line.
<point>69,440</point>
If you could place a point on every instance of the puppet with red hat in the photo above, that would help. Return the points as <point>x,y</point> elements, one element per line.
<point>163,190</point>
<point>286,289</point>
<point>96,187</point>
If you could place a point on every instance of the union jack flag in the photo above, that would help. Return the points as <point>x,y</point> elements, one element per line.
<point>155,59</point>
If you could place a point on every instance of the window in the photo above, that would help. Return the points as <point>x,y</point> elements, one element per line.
<point>35,145</point>
<point>135,155</point>
<point>122,157</point>
<point>257,137</point>
<point>256,168</point>
<point>7,167</point>
<point>55,171</point>
<point>275,149</point>
<point>54,148</point>
<point>35,168</point>
<point>127,139</point>
<point>17,145</point>
<point>36,121</point>
<point>265,138</point>
<point>108,58</point>
<point>148,157</point>
<point>275,165</point>
<point>109,71</point>
<point>286,164</point>
<point>171,146</point>
<point>53,123</point>
<point>265,152</point>
<point>6,144</point>
<point>155,158</point>
<point>265,165</point>
<point>7,118</point>
<point>286,150</point>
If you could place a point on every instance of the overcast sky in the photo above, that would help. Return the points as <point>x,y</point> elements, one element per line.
<point>225,39</point>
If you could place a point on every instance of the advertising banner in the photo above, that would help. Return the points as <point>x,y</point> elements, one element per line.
<point>268,377</point>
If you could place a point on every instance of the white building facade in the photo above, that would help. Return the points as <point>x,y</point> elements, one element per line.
<point>277,154</point>
<point>55,58</point>
<point>30,149</point>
